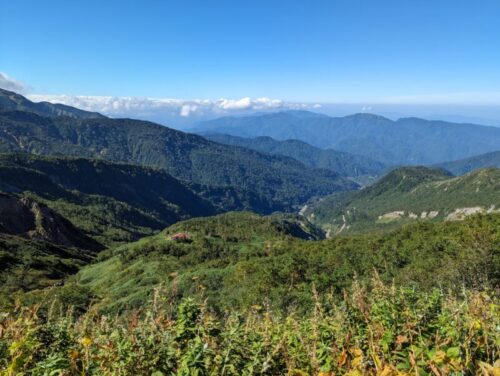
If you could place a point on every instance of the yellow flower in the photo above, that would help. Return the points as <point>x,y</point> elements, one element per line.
<point>387,371</point>
<point>322,373</point>
<point>86,341</point>
<point>357,355</point>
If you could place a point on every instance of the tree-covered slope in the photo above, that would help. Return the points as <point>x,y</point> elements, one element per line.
<point>463,166</point>
<point>111,201</point>
<point>24,217</point>
<point>236,260</point>
<point>12,101</point>
<point>344,163</point>
<point>406,195</point>
<point>274,182</point>
<point>27,264</point>
<point>38,247</point>
<point>402,142</point>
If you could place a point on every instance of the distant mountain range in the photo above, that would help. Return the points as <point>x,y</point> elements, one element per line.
<point>408,141</point>
<point>266,182</point>
<point>408,194</point>
<point>345,164</point>
<point>466,165</point>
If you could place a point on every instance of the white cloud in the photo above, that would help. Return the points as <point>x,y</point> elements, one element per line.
<point>147,107</point>
<point>187,109</point>
<point>8,83</point>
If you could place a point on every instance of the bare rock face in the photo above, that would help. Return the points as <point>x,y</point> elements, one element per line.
<point>25,217</point>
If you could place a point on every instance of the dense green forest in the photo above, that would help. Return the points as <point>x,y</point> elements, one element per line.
<point>344,163</point>
<point>407,195</point>
<point>13,101</point>
<point>268,182</point>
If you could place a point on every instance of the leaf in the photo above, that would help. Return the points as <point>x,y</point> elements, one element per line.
<point>453,352</point>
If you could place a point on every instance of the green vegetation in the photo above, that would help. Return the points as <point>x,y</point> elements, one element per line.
<point>109,268</point>
<point>32,220</point>
<point>38,247</point>
<point>27,265</point>
<point>374,329</point>
<point>111,202</point>
<point>407,141</point>
<point>343,163</point>
<point>407,195</point>
<point>236,260</point>
<point>265,182</point>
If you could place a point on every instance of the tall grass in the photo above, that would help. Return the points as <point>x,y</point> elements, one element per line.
<point>374,329</point>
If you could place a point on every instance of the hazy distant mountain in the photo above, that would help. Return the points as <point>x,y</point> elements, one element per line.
<point>466,165</point>
<point>409,194</point>
<point>268,183</point>
<point>12,101</point>
<point>405,141</point>
<point>344,163</point>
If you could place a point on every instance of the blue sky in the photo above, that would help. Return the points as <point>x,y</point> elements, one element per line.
<point>348,51</point>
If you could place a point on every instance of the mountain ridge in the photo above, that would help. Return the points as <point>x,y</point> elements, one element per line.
<point>463,166</point>
<point>405,141</point>
<point>407,195</point>
<point>10,100</point>
<point>276,183</point>
<point>346,164</point>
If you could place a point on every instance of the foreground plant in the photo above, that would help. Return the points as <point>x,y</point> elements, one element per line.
<point>373,330</point>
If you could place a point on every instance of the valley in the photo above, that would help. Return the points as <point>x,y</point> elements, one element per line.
<point>132,237</point>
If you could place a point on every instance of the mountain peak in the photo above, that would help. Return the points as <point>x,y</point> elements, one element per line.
<point>10,101</point>
<point>367,116</point>
<point>406,178</point>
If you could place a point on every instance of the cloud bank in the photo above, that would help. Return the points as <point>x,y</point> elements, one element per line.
<point>123,106</point>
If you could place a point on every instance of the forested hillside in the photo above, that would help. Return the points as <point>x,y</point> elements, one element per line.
<point>463,166</point>
<point>407,195</point>
<point>269,183</point>
<point>111,202</point>
<point>344,163</point>
<point>13,101</point>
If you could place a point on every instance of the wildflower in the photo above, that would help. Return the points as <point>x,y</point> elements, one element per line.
<point>86,341</point>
